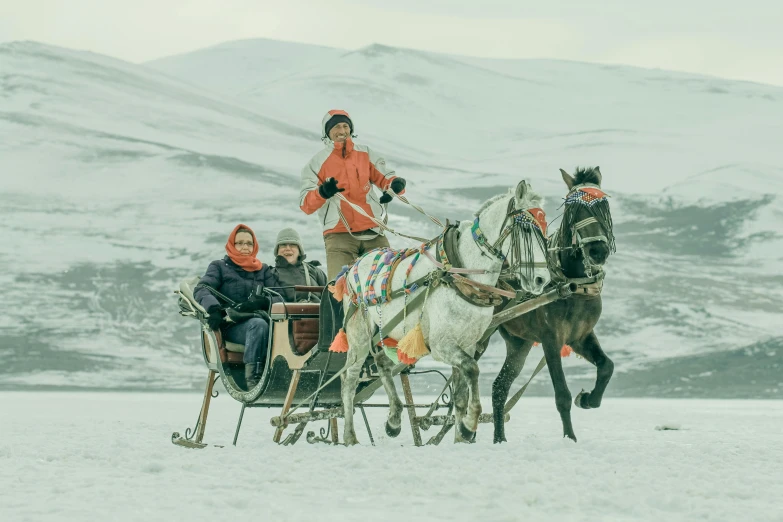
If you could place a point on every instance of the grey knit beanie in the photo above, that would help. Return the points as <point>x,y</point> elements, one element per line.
<point>289,236</point>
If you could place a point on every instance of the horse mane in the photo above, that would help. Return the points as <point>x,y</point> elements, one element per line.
<point>587,175</point>
<point>532,200</point>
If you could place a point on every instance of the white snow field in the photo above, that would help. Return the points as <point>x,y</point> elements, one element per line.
<point>83,456</point>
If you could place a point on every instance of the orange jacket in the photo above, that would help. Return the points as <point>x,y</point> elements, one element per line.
<point>356,168</point>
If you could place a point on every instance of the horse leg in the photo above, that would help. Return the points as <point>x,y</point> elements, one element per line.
<point>590,349</point>
<point>358,348</point>
<point>394,420</point>
<point>562,394</point>
<point>461,395</point>
<point>468,372</point>
<point>516,354</point>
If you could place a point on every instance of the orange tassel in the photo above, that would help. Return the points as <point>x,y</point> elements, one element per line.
<point>413,345</point>
<point>339,289</point>
<point>388,341</point>
<point>404,359</point>
<point>340,343</point>
<point>565,351</point>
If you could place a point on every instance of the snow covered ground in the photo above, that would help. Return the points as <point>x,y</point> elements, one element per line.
<point>107,456</point>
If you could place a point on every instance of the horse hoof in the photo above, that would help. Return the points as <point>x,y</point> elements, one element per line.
<point>570,436</point>
<point>499,440</point>
<point>582,400</point>
<point>391,431</point>
<point>466,434</point>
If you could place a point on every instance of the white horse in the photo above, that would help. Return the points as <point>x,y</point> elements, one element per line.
<point>451,326</point>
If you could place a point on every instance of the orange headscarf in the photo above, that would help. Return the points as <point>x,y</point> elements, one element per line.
<point>249,263</point>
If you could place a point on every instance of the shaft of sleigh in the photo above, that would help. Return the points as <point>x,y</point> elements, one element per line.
<point>561,292</point>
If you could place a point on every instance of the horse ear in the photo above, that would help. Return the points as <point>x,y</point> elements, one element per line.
<point>568,178</point>
<point>600,176</point>
<point>521,191</point>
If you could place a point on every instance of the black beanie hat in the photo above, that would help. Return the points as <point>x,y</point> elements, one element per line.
<point>334,120</point>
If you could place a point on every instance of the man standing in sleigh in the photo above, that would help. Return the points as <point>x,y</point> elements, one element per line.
<point>346,168</point>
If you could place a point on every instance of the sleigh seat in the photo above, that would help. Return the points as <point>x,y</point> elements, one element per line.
<point>302,325</point>
<point>302,318</point>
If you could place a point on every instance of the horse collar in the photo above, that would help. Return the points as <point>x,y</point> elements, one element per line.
<point>447,253</point>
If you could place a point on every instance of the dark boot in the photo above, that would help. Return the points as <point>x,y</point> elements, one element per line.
<point>251,378</point>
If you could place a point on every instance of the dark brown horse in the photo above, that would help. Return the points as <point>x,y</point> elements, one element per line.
<point>577,252</point>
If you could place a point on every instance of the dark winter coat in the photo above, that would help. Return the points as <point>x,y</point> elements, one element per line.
<point>294,275</point>
<point>233,281</point>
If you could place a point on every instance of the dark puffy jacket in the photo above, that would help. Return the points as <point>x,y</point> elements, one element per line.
<point>294,275</point>
<point>233,281</point>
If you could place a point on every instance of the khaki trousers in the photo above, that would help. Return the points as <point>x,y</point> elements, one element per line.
<point>342,249</point>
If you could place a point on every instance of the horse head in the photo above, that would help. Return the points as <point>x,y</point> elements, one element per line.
<point>586,229</point>
<point>511,228</point>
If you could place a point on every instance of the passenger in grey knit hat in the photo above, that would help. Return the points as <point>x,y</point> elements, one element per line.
<point>289,236</point>
<point>293,270</point>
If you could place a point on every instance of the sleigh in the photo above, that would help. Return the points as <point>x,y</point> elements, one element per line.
<point>300,376</point>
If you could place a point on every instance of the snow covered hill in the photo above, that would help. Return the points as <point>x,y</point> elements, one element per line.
<point>118,179</point>
<point>232,66</point>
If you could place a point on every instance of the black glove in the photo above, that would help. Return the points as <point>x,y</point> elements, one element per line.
<point>215,318</point>
<point>237,317</point>
<point>398,185</point>
<point>385,198</point>
<point>329,188</point>
<point>259,302</point>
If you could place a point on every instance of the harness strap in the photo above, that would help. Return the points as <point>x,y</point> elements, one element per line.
<point>518,395</point>
<point>453,269</point>
<point>576,237</point>
<point>215,293</point>
<point>483,244</point>
<point>481,286</point>
<point>308,281</point>
<point>380,224</point>
<point>405,200</point>
<point>585,222</point>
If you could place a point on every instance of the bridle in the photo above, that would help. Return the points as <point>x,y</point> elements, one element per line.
<point>588,195</point>
<point>577,195</point>
<point>520,225</point>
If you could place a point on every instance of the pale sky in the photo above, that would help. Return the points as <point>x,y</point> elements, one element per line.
<point>739,40</point>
